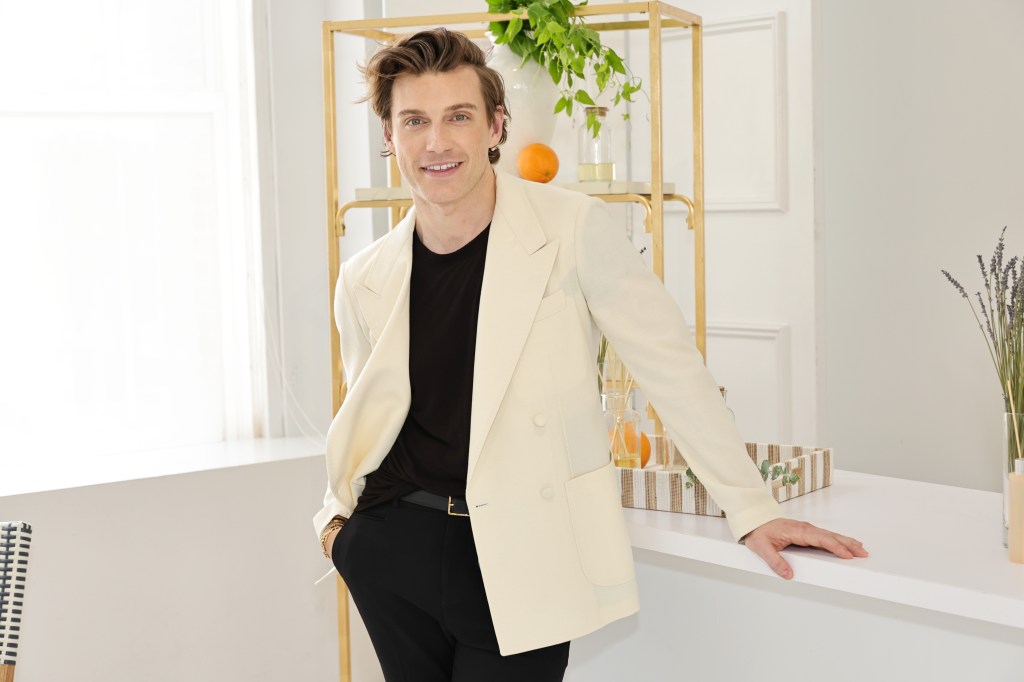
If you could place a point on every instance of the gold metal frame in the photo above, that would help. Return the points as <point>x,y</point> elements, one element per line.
<point>659,15</point>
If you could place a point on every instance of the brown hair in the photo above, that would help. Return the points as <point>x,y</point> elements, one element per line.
<point>437,50</point>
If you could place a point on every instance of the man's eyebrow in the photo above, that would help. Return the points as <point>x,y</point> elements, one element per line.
<point>452,107</point>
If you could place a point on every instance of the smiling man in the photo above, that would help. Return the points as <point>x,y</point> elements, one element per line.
<point>471,505</point>
<point>440,131</point>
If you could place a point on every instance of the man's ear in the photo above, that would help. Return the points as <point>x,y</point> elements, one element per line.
<point>497,122</point>
<point>387,136</point>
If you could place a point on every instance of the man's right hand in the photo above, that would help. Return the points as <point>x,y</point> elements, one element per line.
<point>330,542</point>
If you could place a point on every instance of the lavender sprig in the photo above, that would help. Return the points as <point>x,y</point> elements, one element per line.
<point>1002,308</point>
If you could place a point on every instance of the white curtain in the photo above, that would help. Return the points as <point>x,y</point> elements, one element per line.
<point>130,304</point>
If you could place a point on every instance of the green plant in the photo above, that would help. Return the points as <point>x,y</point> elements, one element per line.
<point>549,33</point>
<point>766,469</point>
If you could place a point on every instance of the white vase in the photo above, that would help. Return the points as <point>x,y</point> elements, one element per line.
<point>531,97</point>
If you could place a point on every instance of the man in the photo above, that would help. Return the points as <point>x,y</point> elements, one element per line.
<point>471,506</point>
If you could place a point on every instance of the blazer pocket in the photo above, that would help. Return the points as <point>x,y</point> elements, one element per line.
<point>599,528</point>
<point>549,305</point>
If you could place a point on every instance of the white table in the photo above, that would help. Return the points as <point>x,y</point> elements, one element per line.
<point>937,599</point>
<point>932,546</point>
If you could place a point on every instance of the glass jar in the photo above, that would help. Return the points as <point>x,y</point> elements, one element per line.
<point>595,151</point>
<point>623,424</point>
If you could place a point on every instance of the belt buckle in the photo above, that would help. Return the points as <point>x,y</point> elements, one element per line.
<point>450,512</point>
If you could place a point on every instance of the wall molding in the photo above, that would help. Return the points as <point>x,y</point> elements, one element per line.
<point>765,333</point>
<point>777,200</point>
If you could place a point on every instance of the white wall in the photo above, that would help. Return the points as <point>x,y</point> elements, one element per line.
<point>922,158</point>
<point>206,577</point>
<point>760,203</point>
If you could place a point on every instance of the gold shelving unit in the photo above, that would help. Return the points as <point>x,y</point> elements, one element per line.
<point>652,17</point>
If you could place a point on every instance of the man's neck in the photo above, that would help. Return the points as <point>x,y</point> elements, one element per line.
<point>447,228</point>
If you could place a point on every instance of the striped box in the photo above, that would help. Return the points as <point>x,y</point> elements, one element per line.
<point>15,538</point>
<point>668,491</point>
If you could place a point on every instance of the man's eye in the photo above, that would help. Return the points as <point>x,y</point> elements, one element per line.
<point>461,117</point>
<point>414,122</point>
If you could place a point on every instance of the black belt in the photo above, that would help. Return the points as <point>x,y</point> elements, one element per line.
<point>455,506</point>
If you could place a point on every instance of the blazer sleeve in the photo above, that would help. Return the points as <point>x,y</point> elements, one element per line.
<point>644,324</point>
<point>355,349</point>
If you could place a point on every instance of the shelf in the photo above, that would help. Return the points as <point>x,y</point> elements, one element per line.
<point>592,188</point>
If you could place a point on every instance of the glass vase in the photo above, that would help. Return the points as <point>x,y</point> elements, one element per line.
<point>1012,447</point>
<point>623,424</point>
<point>595,151</point>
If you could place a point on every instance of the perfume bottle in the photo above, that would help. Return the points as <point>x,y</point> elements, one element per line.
<point>595,151</point>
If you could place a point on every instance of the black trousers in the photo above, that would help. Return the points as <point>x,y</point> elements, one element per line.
<point>415,578</point>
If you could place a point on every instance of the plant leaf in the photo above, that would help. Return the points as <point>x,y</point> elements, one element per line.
<point>497,29</point>
<point>615,62</point>
<point>514,26</point>
<point>555,70</point>
<point>560,104</point>
<point>583,98</point>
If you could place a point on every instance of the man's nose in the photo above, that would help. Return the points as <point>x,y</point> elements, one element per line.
<point>438,139</point>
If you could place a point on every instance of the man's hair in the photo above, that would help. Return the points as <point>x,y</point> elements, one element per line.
<point>437,50</point>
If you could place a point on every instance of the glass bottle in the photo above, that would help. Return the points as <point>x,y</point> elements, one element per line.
<point>595,152</point>
<point>623,424</point>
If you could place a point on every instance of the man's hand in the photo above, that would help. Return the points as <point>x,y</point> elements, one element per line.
<point>766,541</point>
<point>329,544</point>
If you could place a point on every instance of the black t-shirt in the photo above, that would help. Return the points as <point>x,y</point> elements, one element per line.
<point>432,450</point>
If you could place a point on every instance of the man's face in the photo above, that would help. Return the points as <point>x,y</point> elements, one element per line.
<point>440,136</point>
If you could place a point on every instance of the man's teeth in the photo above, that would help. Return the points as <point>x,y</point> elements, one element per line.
<point>442,167</point>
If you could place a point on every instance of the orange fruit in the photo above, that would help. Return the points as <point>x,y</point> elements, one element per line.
<point>537,162</point>
<point>645,449</point>
<point>629,436</point>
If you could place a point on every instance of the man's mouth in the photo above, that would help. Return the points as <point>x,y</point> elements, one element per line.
<point>442,167</point>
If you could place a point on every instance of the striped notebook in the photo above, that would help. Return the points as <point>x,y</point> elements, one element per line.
<point>15,538</point>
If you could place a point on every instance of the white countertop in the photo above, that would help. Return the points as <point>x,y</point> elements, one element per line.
<point>932,546</point>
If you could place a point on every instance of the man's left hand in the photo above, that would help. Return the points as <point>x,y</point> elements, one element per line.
<point>766,541</point>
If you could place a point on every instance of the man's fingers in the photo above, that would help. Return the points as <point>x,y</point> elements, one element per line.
<point>808,535</point>
<point>771,556</point>
<point>855,546</point>
<point>834,545</point>
<point>781,567</point>
<point>766,541</point>
<point>841,546</point>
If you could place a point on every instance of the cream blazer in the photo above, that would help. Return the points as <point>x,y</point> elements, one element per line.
<point>554,552</point>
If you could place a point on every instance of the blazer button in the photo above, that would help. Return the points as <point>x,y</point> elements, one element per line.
<point>540,420</point>
<point>547,493</point>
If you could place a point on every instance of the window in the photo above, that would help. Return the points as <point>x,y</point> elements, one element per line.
<point>129,241</point>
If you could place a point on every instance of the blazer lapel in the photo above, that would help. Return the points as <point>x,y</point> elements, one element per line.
<point>518,265</point>
<point>381,290</point>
